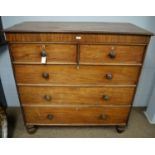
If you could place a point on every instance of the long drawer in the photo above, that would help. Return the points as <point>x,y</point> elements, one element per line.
<point>111,54</point>
<point>73,37</point>
<point>76,115</point>
<point>75,95</point>
<point>58,53</point>
<point>69,74</point>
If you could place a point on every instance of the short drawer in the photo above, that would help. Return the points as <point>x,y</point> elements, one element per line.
<point>32,53</point>
<point>76,115</point>
<point>69,74</point>
<point>111,54</point>
<point>75,95</point>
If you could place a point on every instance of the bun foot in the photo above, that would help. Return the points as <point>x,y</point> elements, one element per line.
<point>31,129</point>
<point>120,129</point>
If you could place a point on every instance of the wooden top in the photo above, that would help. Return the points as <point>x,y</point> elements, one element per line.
<point>79,27</point>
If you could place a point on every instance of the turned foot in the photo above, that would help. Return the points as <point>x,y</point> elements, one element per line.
<point>31,129</point>
<point>120,129</point>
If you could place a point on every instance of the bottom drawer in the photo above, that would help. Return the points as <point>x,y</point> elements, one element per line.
<point>76,115</point>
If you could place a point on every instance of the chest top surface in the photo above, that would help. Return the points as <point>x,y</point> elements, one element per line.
<point>78,27</point>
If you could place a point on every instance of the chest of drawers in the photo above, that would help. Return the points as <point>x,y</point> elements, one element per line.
<point>89,77</point>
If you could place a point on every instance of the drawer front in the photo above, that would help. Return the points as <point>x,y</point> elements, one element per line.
<point>76,95</point>
<point>73,37</point>
<point>69,74</point>
<point>40,37</point>
<point>32,53</point>
<point>111,54</point>
<point>76,115</point>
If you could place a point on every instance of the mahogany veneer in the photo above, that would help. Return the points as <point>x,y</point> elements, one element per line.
<point>90,75</point>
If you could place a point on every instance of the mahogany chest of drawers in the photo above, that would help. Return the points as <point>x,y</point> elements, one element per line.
<point>76,74</point>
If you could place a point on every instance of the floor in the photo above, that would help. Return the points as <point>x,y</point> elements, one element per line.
<point>138,127</point>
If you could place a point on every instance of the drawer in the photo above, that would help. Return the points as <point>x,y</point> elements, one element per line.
<point>32,53</point>
<point>74,37</point>
<point>40,37</point>
<point>76,95</point>
<point>111,54</point>
<point>69,74</point>
<point>76,115</point>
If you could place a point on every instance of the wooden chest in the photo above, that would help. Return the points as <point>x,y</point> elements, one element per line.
<point>77,73</point>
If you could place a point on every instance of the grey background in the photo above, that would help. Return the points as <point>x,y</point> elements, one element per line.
<point>147,78</point>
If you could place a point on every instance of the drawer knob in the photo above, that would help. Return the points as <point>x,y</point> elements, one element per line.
<point>109,76</point>
<point>43,53</point>
<point>105,97</point>
<point>50,116</point>
<point>45,75</point>
<point>103,116</point>
<point>112,54</point>
<point>48,97</point>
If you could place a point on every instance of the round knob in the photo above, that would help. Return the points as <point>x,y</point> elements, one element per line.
<point>105,97</point>
<point>47,97</point>
<point>43,53</point>
<point>109,76</point>
<point>45,75</point>
<point>50,116</point>
<point>112,54</point>
<point>103,116</point>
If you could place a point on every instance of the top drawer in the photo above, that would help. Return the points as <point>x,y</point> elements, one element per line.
<point>32,53</point>
<point>101,54</point>
<point>67,53</point>
<point>73,37</point>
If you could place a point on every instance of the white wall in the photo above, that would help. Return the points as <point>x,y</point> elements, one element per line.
<point>150,111</point>
<point>148,74</point>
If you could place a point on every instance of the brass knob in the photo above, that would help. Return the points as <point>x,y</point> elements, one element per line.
<point>50,116</point>
<point>103,116</point>
<point>43,53</point>
<point>105,97</point>
<point>45,75</point>
<point>48,97</point>
<point>112,54</point>
<point>109,76</point>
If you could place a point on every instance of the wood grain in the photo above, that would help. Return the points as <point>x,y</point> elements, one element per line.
<point>32,52</point>
<point>79,27</point>
<point>85,38</point>
<point>69,74</point>
<point>63,54</point>
<point>100,54</point>
<point>76,115</point>
<point>70,95</point>
<point>75,95</point>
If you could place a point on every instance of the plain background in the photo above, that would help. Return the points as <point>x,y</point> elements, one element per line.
<point>147,78</point>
